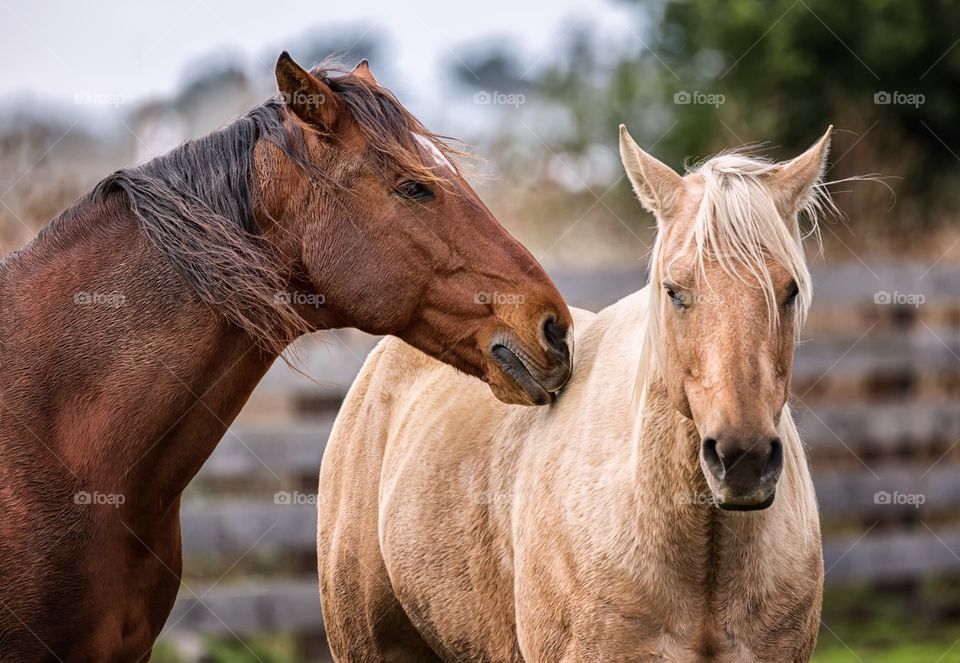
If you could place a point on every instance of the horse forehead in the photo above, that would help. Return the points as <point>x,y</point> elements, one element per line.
<point>433,151</point>
<point>686,270</point>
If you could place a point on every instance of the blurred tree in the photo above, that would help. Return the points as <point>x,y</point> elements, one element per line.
<point>489,67</point>
<point>789,67</point>
<point>345,45</point>
<point>711,74</point>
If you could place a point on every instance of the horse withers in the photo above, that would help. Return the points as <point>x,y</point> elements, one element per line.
<point>138,322</point>
<point>660,510</point>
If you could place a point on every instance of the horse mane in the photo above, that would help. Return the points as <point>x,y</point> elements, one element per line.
<point>395,138</point>
<point>738,226</point>
<point>198,202</point>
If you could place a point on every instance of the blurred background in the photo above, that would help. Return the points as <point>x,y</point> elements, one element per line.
<point>537,90</point>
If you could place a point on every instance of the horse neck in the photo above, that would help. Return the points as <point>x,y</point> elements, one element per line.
<point>672,510</point>
<point>114,364</point>
<point>665,466</point>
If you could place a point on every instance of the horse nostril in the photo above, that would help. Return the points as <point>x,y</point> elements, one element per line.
<point>774,461</point>
<point>712,458</point>
<point>555,333</point>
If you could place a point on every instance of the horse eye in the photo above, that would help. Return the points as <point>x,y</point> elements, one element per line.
<point>676,298</point>
<point>792,294</point>
<point>414,190</point>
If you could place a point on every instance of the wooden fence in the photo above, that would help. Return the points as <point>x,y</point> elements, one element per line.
<point>877,387</point>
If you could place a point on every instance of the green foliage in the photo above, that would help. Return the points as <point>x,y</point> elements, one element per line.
<point>934,652</point>
<point>901,623</point>
<point>788,68</point>
<point>262,649</point>
<point>705,75</point>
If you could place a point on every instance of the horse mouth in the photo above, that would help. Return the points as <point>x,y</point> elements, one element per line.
<point>757,506</point>
<point>512,364</point>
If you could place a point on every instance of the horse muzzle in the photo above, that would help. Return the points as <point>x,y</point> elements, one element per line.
<point>742,477</point>
<point>534,376</point>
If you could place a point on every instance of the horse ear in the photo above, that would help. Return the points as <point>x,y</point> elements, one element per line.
<point>307,96</point>
<point>362,70</point>
<point>656,184</point>
<point>793,181</point>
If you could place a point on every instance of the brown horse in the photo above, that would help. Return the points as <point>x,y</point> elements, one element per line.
<point>660,510</point>
<point>136,325</point>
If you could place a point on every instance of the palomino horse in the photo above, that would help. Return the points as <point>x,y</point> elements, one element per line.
<point>137,323</point>
<point>611,525</point>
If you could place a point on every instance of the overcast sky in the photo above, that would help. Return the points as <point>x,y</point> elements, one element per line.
<point>133,49</point>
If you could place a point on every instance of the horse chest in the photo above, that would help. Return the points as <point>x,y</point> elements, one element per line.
<point>688,628</point>
<point>733,616</point>
<point>103,604</point>
<point>703,605</point>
